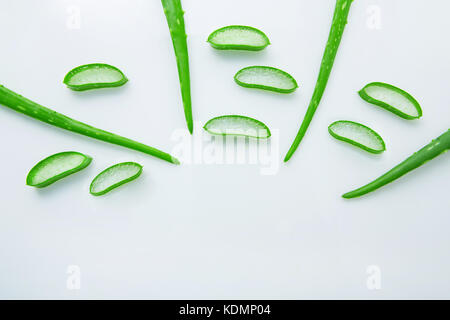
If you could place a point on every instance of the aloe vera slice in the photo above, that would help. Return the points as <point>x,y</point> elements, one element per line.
<point>114,177</point>
<point>392,99</point>
<point>237,125</point>
<point>266,78</point>
<point>238,38</point>
<point>56,167</point>
<point>94,76</point>
<point>358,135</point>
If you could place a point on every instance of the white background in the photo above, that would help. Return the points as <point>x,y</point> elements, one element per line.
<point>224,230</point>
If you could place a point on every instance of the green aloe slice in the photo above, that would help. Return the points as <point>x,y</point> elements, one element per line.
<point>267,78</point>
<point>94,76</point>
<point>358,135</point>
<point>114,177</point>
<point>238,38</point>
<point>56,167</point>
<point>392,99</point>
<point>237,125</point>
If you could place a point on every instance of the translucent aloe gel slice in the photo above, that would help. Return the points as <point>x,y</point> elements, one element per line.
<point>56,167</point>
<point>114,177</point>
<point>267,78</point>
<point>358,135</point>
<point>237,126</point>
<point>392,99</point>
<point>238,38</point>
<point>93,76</point>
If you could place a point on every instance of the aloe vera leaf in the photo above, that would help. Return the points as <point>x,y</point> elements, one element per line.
<point>34,110</point>
<point>341,12</point>
<point>175,20</point>
<point>56,167</point>
<point>436,147</point>
<point>266,78</point>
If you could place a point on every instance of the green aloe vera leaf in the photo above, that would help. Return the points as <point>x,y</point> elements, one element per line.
<point>34,110</point>
<point>175,20</point>
<point>341,11</point>
<point>436,147</point>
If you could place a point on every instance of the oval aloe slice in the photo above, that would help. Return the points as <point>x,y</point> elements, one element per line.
<point>238,38</point>
<point>56,167</point>
<point>266,78</point>
<point>392,99</point>
<point>237,126</point>
<point>114,177</point>
<point>358,135</point>
<point>94,76</point>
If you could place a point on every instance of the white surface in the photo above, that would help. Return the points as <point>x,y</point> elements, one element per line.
<point>225,231</point>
